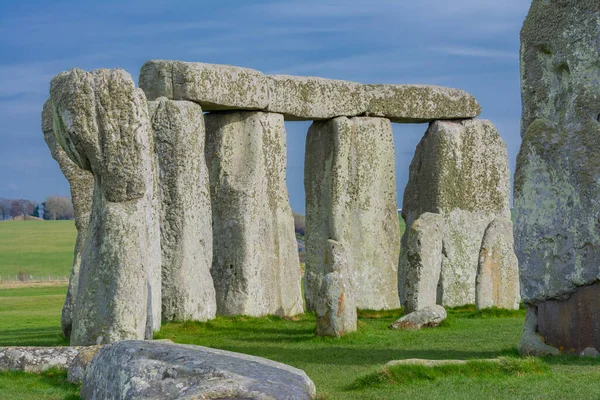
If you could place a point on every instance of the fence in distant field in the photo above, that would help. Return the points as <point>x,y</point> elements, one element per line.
<point>33,278</point>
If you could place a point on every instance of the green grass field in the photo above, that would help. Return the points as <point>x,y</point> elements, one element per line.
<point>38,247</point>
<point>346,368</point>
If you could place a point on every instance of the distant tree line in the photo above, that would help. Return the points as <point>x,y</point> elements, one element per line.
<point>55,207</point>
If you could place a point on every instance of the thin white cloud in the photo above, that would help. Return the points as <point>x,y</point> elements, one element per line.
<point>477,52</point>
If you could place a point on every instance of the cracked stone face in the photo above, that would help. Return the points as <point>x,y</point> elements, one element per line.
<point>101,121</point>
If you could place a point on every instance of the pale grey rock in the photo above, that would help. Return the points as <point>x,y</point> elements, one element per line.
<point>428,317</point>
<point>255,259</point>
<point>81,183</point>
<point>460,171</point>
<point>350,186</point>
<point>223,87</point>
<point>498,271</point>
<point>213,86</point>
<point>590,352</point>
<point>336,307</point>
<point>421,262</point>
<point>308,98</point>
<point>419,103</point>
<point>557,196</point>
<point>159,370</point>
<point>77,367</point>
<point>531,343</point>
<point>186,222</point>
<point>36,359</point>
<point>101,121</point>
<point>440,363</point>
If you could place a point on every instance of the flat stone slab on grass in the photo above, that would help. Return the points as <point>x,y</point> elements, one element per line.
<point>162,370</point>
<point>37,359</point>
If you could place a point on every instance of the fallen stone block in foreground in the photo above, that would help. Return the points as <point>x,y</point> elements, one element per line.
<point>428,317</point>
<point>162,370</point>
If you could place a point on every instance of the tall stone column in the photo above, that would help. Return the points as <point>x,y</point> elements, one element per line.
<point>557,191</point>
<point>350,186</point>
<point>255,255</point>
<point>186,222</point>
<point>101,121</point>
<point>81,183</point>
<point>459,171</point>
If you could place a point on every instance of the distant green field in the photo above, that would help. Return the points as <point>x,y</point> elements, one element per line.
<point>38,247</point>
<point>31,316</point>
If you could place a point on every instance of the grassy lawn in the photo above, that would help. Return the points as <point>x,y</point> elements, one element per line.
<point>38,247</point>
<point>347,368</point>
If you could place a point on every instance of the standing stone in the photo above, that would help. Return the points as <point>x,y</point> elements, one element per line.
<point>101,121</point>
<point>186,222</point>
<point>255,259</point>
<point>350,185</point>
<point>336,307</point>
<point>81,183</point>
<point>557,196</point>
<point>498,272</point>
<point>460,171</point>
<point>421,262</point>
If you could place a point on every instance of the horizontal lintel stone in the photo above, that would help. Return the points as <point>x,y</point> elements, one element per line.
<point>222,87</point>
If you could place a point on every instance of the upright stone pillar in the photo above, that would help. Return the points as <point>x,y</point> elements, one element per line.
<point>460,171</point>
<point>186,222</point>
<point>81,183</point>
<point>350,186</point>
<point>557,191</point>
<point>101,121</point>
<point>255,255</point>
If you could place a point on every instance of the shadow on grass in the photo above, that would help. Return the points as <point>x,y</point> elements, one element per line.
<point>49,336</point>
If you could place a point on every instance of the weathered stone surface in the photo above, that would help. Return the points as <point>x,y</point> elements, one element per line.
<point>336,307</point>
<point>421,262</point>
<point>460,171</point>
<point>186,222</point>
<point>498,271</point>
<point>213,86</point>
<point>307,97</point>
<point>255,262</point>
<point>350,186</point>
<point>159,370</point>
<point>557,196</point>
<point>531,343</point>
<point>81,183</point>
<point>36,359</point>
<point>590,352</point>
<point>428,317</point>
<point>78,366</point>
<point>223,87</point>
<point>419,103</point>
<point>101,121</point>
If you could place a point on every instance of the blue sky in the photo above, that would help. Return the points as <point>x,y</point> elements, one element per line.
<point>467,44</point>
